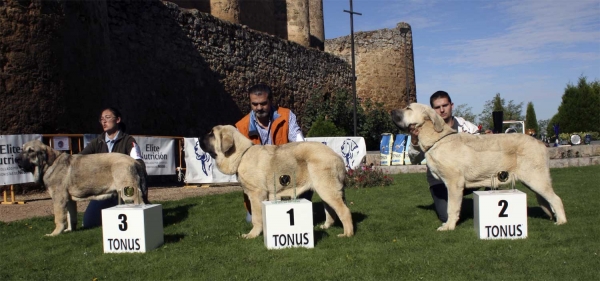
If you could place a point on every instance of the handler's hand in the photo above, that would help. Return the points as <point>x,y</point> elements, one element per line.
<point>414,134</point>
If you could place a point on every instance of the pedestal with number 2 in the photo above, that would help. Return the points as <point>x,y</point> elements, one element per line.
<point>288,224</point>
<point>500,214</point>
<point>132,228</point>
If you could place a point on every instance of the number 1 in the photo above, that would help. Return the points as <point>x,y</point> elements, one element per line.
<point>291,213</point>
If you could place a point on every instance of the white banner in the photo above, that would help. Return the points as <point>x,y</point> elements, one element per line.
<point>10,147</point>
<point>200,167</point>
<point>352,149</point>
<point>87,138</point>
<point>158,155</point>
<point>61,143</point>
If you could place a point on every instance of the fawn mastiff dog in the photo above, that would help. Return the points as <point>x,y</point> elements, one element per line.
<point>314,165</point>
<point>71,178</point>
<point>468,161</point>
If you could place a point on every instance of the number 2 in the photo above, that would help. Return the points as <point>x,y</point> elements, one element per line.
<point>504,205</point>
<point>291,213</point>
<point>123,224</point>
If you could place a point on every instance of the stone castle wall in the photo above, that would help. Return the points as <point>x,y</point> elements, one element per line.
<point>171,71</point>
<point>299,21</point>
<point>384,59</point>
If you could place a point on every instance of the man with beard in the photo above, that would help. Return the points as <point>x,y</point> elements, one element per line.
<point>268,124</point>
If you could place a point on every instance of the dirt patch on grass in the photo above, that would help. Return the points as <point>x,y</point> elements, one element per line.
<point>40,204</point>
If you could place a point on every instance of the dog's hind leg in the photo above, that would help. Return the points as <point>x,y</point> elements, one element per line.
<point>541,184</point>
<point>71,215</point>
<point>545,205</point>
<point>335,201</point>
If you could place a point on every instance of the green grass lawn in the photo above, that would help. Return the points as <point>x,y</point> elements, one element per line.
<point>395,239</point>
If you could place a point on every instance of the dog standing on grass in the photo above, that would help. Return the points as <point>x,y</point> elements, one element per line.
<point>468,161</point>
<point>71,178</point>
<point>315,166</point>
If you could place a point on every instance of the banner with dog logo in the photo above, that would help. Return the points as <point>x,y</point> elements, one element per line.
<point>10,147</point>
<point>352,149</point>
<point>61,143</point>
<point>158,155</point>
<point>200,167</point>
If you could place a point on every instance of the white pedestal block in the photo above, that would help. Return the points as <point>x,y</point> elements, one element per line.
<point>288,224</point>
<point>132,228</point>
<point>500,214</point>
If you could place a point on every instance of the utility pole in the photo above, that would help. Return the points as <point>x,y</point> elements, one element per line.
<point>352,13</point>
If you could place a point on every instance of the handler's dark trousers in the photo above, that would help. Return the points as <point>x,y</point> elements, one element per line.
<point>439,193</point>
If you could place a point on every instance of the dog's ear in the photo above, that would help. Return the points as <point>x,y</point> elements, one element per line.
<point>438,122</point>
<point>226,141</point>
<point>50,155</point>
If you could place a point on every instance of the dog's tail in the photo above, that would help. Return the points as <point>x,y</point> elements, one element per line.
<point>141,171</point>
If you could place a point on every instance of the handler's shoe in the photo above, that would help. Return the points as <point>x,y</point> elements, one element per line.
<point>248,217</point>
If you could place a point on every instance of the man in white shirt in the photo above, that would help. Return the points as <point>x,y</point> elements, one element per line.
<point>442,104</point>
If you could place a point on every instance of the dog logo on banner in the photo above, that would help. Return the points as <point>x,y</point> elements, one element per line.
<point>349,150</point>
<point>204,158</point>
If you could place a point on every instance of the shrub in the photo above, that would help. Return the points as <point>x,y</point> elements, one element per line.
<point>324,128</point>
<point>366,177</point>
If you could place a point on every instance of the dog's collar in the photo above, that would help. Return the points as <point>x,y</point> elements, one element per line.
<point>242,156</point>
<point>439,140</point>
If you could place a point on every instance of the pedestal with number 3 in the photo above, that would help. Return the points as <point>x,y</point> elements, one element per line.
<point>288,224</point>
<point>132,228</point>
<point>500,214</point>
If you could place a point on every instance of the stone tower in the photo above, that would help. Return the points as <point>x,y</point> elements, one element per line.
<point>228,10</point>
<point>298,27</point>
<point>385,68</point>
<point>317,25</point>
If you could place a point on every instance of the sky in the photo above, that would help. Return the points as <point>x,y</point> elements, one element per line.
<point>526,50</point>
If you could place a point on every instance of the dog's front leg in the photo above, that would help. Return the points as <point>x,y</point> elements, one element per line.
<point>60,217</point>
<point>71,215</point>
<point>455,196</point>
<point>256,198</point>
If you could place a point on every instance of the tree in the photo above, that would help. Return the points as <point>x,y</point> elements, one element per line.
<point>579,110</point>
<point>530,119</point>
<point>372,118</point>
<point>512,111</point>
<point>542,126</point>
<point>464,111</point>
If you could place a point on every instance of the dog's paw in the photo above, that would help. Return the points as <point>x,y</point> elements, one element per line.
<point>324,226</point>
<point>444,227</point>
<point>345,235</point>
<point>560,222</point>
<point>248,236</point>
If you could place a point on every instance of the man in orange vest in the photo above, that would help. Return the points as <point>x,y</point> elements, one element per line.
<point>268,124</point>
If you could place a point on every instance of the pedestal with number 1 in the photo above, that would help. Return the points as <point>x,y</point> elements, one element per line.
<point>288,224</point>
<point>500,214</point>
<point>132,228</point>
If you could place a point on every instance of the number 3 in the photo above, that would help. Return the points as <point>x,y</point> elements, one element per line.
<point>123,224</point>
<point>504,205</point>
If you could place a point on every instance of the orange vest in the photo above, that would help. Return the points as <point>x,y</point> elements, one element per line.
<point>279,128</point>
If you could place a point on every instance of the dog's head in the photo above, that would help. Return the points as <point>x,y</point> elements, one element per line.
<point>219,141</point>
<point>416,114</point>
<point>34,156</point>
<point>227,146</point>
